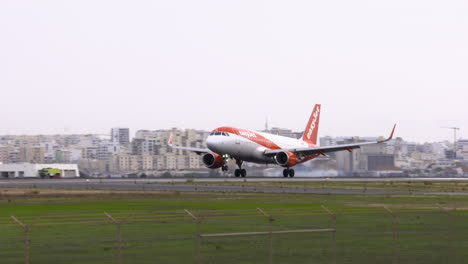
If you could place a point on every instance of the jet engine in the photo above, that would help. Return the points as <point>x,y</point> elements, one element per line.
<point>286,159</point>
<point>213,160</point>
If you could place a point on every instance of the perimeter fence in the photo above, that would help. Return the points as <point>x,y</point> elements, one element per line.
<point>292,235</point>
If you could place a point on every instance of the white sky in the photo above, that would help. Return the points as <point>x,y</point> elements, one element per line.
<point>87,66</point>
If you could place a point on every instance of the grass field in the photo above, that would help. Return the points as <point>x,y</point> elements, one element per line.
<point>70,227</point>
<point>427,185</point>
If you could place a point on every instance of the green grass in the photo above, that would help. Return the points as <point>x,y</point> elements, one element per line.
<point>433,186</point>
<point>72,228</point>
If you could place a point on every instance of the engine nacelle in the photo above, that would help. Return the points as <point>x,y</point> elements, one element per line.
<point>213,160</point>
<point>286,159</point>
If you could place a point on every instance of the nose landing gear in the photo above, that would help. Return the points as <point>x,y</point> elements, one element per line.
<point>288,172</point>
<point>225,167</point>
<point>240,172</point>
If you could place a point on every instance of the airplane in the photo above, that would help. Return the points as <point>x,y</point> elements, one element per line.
<point>226,143</point>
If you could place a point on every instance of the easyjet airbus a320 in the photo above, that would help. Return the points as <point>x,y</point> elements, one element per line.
<point>226,143</point>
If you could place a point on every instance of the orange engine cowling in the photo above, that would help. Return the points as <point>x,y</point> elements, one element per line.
<point>213,160</point>
<point>286,159</point>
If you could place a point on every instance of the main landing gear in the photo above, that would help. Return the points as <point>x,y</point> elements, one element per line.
<point>240,172</point>
<point>288,172</point>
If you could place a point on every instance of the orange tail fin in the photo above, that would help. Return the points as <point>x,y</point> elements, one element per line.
<point>311,131</point>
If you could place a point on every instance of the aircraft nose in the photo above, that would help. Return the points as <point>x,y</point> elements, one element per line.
<point>210,143</point>
<point>214,143</point>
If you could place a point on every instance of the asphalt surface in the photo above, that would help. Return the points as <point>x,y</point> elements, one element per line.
<point>191,185</point>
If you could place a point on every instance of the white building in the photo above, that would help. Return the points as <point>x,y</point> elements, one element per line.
<point>120,136</point>
<point>462,146</point>
<point>144,133</point>
<point>29,170</point>
<point>106,150</point>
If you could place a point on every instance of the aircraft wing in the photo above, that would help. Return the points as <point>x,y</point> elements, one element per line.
<point>325,149</point>
<point>196,150</point>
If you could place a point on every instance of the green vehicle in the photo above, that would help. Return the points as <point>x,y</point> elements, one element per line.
<point>50,173</point>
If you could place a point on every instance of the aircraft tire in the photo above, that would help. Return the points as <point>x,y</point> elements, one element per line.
<point>237,173</point>
<point>243,172</point>
<point>285,173</point>
<point>291,173</point>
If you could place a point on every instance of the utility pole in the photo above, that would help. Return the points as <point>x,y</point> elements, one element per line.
<point>454,138</point>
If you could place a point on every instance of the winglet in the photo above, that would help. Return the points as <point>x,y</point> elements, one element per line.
<point>169,142</point>
<point>391,135</point>
<point>393,130</point>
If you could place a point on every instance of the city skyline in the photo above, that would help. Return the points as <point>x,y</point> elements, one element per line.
<point>149,151</point>
<point>108,135</point>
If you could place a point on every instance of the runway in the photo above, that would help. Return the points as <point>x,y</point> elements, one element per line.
<point>197,185</point>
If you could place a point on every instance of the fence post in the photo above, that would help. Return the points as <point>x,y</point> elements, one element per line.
<point>197,234</point>
<point>27,240</point>
<point>333,217</point>
<point>394,233</point>
<point>270,238</point>
<point>118,237</point>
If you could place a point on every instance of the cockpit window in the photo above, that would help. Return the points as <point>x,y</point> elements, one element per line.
<point>219,134</point>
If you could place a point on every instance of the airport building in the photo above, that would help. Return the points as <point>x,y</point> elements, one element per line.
<point>30,170</point>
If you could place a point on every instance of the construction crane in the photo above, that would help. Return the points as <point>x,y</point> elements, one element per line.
<point>454,137</point>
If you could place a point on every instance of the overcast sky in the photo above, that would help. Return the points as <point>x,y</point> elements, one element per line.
<point>87,66</point>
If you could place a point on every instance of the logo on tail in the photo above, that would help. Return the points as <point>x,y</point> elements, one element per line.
<point>311,130</point>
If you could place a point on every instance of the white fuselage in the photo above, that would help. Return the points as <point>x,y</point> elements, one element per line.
<point>250,145</point>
